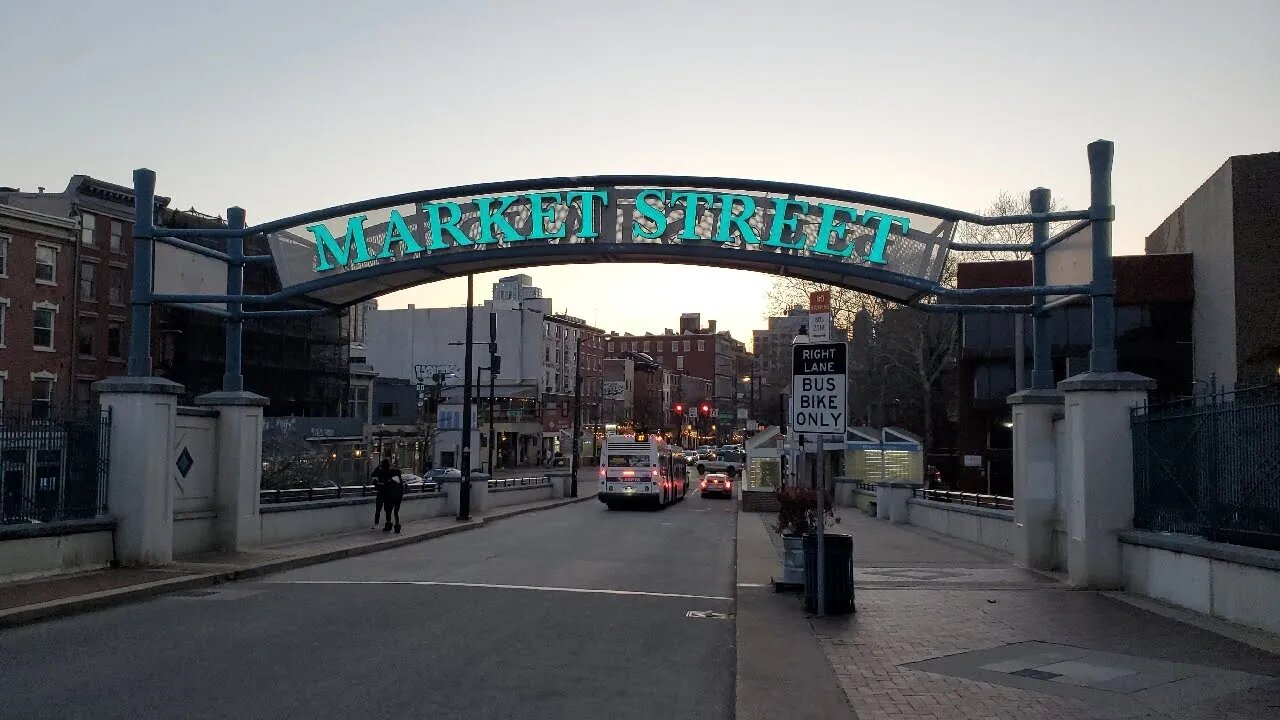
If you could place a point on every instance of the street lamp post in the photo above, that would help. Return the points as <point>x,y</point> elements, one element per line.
<point>577,416</point>
<point>464,495</point>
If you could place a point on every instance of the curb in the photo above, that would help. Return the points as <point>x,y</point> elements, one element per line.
<point>65,607</point>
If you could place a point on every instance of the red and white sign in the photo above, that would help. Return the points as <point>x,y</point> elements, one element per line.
<point>819,302</point>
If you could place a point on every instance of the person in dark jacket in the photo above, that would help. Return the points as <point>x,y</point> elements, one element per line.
<point>392,494</point>
<point>383,477</point>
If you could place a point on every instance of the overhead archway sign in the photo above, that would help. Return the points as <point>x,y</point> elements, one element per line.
<point>890,248</point>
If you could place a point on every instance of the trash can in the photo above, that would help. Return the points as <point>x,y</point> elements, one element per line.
<point>838,565</point>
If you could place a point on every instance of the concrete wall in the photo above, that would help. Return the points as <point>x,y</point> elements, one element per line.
<point>194,532</point>
<point>501,497</point>
<point>1061,474</point>
<point>35,550</point>
<point>298,521</point>
<point>1255,217</point>
<point>992,528</point>
<point>1230,582</point>
<point>1203,226</point>
<point>862,499</point>
<point>196,431</point>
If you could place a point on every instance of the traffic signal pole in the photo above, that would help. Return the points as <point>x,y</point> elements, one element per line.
<point>464,494</point>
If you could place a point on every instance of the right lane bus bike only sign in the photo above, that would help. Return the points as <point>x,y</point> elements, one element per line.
<point>818,388</point>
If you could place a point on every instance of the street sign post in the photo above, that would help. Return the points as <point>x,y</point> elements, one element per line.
<point>820,316</point>
<point>820,373</point>
<point>818,388</point>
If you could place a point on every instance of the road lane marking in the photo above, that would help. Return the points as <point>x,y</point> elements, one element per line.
<point>496,586</point>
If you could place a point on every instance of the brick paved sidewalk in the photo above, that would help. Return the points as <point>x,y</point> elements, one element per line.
<point>946,629</point>
<point>30,600</point>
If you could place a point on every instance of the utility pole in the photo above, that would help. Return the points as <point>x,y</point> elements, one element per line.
<point>577,414</point>
<point>495,366</point>
<point>464,496</point>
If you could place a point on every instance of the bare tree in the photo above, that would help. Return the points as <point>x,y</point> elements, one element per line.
<point>900,356</point>
<point>289,461</point>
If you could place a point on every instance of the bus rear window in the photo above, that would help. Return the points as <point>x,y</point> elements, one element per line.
<point>628,461</point>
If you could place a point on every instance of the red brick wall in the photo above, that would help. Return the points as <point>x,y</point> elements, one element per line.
<point>19,358</point>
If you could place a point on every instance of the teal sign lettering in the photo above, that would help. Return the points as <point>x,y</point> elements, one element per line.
<point>840,233</point>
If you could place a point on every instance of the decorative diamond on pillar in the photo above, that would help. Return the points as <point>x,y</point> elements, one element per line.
<point>185,462</point>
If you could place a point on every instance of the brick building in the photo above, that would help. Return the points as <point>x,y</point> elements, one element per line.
<point>705,353</point>
<point>1154,296</point>
<point>37,301</point>
<point>299,364</point>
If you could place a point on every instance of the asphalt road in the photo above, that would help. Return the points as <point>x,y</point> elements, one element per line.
<point>576,612</point>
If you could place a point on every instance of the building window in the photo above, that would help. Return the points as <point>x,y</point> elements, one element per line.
<point>4,309</point>
<point>88,224</point>
<point>610,347</point>
<point>88,282</point>
<point>116,289</point>
<point>646,346</point>
<point>47,264</point>
<point>41,397</point>
<point>42,327</point>
<point>686,346</point>
<point>675,346</point>
<point>115,341</point>
<point>546,354</point>
<point>634,346</point>
<point>84,338</point>
<point>702,345</point>
<point>117,236</point>
<point>4,255</point>
<point>679,362</point>
<point>3,376</point>
<point>994,381</point>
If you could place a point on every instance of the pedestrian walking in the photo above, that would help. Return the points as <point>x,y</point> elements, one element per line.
<point>383,475</point>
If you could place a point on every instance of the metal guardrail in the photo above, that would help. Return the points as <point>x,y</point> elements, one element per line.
<point>334,492</point>
<point>518,482</point>
<point>869,487</point>
<point>995,502</point>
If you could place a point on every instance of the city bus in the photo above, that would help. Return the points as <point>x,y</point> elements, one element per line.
<point>641,469</point>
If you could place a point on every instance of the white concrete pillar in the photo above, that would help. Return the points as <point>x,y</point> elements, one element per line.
<point>884,499</point>
<point>479,494</point>
<point>1101,476</point>
<point>1035,498</point>
<point>891,501</point>
<point>238,478</point>
<point>143,411</point>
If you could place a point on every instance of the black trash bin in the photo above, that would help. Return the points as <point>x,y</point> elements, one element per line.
<point>838,565</point>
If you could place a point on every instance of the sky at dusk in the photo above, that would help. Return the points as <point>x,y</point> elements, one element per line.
<point>284,107</point>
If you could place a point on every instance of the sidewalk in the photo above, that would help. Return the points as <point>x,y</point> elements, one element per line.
<point>947,629</point>
<point>29,601</point>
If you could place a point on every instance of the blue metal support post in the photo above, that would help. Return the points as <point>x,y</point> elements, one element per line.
<point>1102,358</point>
<point>232,376</point>
<point>144,203</point>
<point>1041,363</point>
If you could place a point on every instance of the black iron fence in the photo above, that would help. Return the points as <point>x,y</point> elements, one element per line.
<point>1210,466</point>
<point>995,502</point>
<point>333,492</point>
<point>53,463</point>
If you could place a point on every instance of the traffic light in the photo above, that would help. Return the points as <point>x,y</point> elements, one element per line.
<point>678,409</point>
<point>705,409</point>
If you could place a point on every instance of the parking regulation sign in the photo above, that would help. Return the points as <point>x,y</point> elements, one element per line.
<point>818,389</point>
